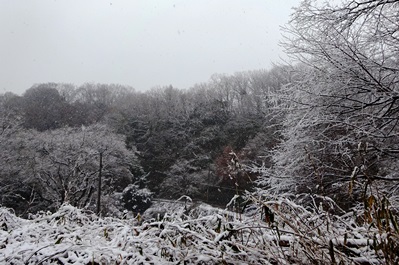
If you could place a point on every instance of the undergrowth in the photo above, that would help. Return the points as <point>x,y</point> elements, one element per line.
<point>275,231</point>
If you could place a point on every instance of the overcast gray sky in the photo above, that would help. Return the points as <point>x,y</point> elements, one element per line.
<point>141,43</point>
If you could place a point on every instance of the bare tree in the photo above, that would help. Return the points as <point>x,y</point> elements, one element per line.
<point>342,109</point>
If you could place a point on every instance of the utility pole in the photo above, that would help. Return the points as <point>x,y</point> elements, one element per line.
<point>99,184</point>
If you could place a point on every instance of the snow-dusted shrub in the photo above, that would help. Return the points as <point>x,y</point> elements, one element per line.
<point>135,199</point>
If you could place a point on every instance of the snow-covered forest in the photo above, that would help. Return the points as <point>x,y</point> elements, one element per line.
<point>298,164</point>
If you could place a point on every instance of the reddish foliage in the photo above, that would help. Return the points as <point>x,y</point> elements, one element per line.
<point>231,171</point>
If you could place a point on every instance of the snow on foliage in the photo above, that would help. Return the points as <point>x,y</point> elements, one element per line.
<point>42,170</point>
<point>279,232</point>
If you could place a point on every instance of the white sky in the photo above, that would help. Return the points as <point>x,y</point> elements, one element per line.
<point>141,43</point>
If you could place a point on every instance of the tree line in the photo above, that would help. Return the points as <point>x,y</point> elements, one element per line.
<point>168,141</point>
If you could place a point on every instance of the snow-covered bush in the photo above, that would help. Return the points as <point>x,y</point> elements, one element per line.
<point>136,199</point>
